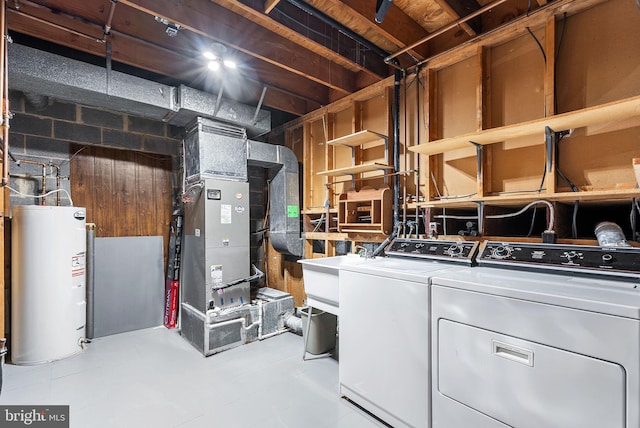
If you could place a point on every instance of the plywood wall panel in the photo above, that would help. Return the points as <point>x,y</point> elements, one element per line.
<point>83,174</point>
<point>126,197</point>
<point>517,80</point>
<point>126,193</point>
<point>518,168</point>
<point>375,114</point>
<point>598,58</point>
<point>104,197</point>
<point>147,212</point>
<point>457,105</point>
<point>315,162</point>
<point>589,163</point>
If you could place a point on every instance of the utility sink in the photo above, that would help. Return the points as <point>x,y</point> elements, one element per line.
<point>321,278</point>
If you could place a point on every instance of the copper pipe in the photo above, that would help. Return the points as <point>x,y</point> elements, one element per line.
<point>444,29</point>
<point>57,167</point>
<point>44,175</point>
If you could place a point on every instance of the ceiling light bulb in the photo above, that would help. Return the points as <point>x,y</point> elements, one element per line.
<point>229,63</point>
<point>214,65</point>
<point>208,55</point>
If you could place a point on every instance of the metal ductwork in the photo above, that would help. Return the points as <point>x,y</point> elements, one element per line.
<point>193,103</point>
<point>43,73</point>
<point>284,223</point>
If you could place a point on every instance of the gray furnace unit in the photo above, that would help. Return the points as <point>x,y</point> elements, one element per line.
<point>216,240</point>
<point>216,313</point>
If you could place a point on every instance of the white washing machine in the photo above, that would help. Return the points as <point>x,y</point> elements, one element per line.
<point>384,328</point>
<point>548,337</point>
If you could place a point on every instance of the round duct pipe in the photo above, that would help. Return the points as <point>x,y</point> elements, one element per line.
<point>609,234</point>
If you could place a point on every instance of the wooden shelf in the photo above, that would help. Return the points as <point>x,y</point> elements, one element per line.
<point>604,113</point>
<point>319,211</point>
<point>357,139</point>
<point>349,170</point>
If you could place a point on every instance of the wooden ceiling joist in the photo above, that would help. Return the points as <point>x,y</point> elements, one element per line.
<point>252,13</point>
<point>132,51</point>
<point>213,21</point>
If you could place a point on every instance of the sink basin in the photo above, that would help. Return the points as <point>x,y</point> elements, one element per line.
<point>321,278</point>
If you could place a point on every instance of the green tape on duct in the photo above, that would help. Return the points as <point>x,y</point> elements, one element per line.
<point>292,211</point>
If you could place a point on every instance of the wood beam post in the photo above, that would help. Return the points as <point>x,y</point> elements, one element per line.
<point>550,97</point>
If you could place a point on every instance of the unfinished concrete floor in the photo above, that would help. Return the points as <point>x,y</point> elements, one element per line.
<point>154,378</point>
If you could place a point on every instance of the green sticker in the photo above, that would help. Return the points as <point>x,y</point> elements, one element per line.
<point>292,211</point>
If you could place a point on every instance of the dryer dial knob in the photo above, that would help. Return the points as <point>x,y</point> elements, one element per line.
<point>501,252</point>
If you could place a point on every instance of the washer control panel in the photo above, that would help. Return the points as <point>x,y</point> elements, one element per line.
<point>623,261</point>
<point>455,251</point>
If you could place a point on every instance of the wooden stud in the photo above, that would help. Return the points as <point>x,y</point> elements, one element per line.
<point>433,133</point>
<point>550,96</point>
<point>269,5</point>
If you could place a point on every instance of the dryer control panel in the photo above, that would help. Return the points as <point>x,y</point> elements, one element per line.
<point>616,261</point>
<point>454,251</point>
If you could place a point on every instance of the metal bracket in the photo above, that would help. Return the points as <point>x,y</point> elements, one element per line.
<point>479,153</point>
<point>259,106</point>
<point>549,144</point>
<point>215,109</point>
<point>108,57</point>
<point>480,217</point>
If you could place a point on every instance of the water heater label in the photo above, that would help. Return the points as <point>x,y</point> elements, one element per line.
<point>78,262</point>
<point>225,214</point>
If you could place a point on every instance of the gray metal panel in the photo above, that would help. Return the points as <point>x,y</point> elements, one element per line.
<point>129,284</point>
<point>215,149</point>
<point>192,281</point>
<point>39,72</point>
<point>227,239</point>
<point>216,234</point>
<point>192,326</point>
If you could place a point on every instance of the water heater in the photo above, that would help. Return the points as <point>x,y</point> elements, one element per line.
<point>48,300</point>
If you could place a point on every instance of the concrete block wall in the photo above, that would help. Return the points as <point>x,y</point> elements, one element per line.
<point>43,130</point>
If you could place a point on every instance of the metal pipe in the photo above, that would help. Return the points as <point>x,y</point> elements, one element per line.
<point>217,106</point>
<point>57,167</point>
<point>444,29</point>
<point>259,106</point>
<point>107,25</point>
<point>5,95</point>
<point>91,235</point>
<point>44,175</point>
<point>335,24</point>
<point>397,76</point>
